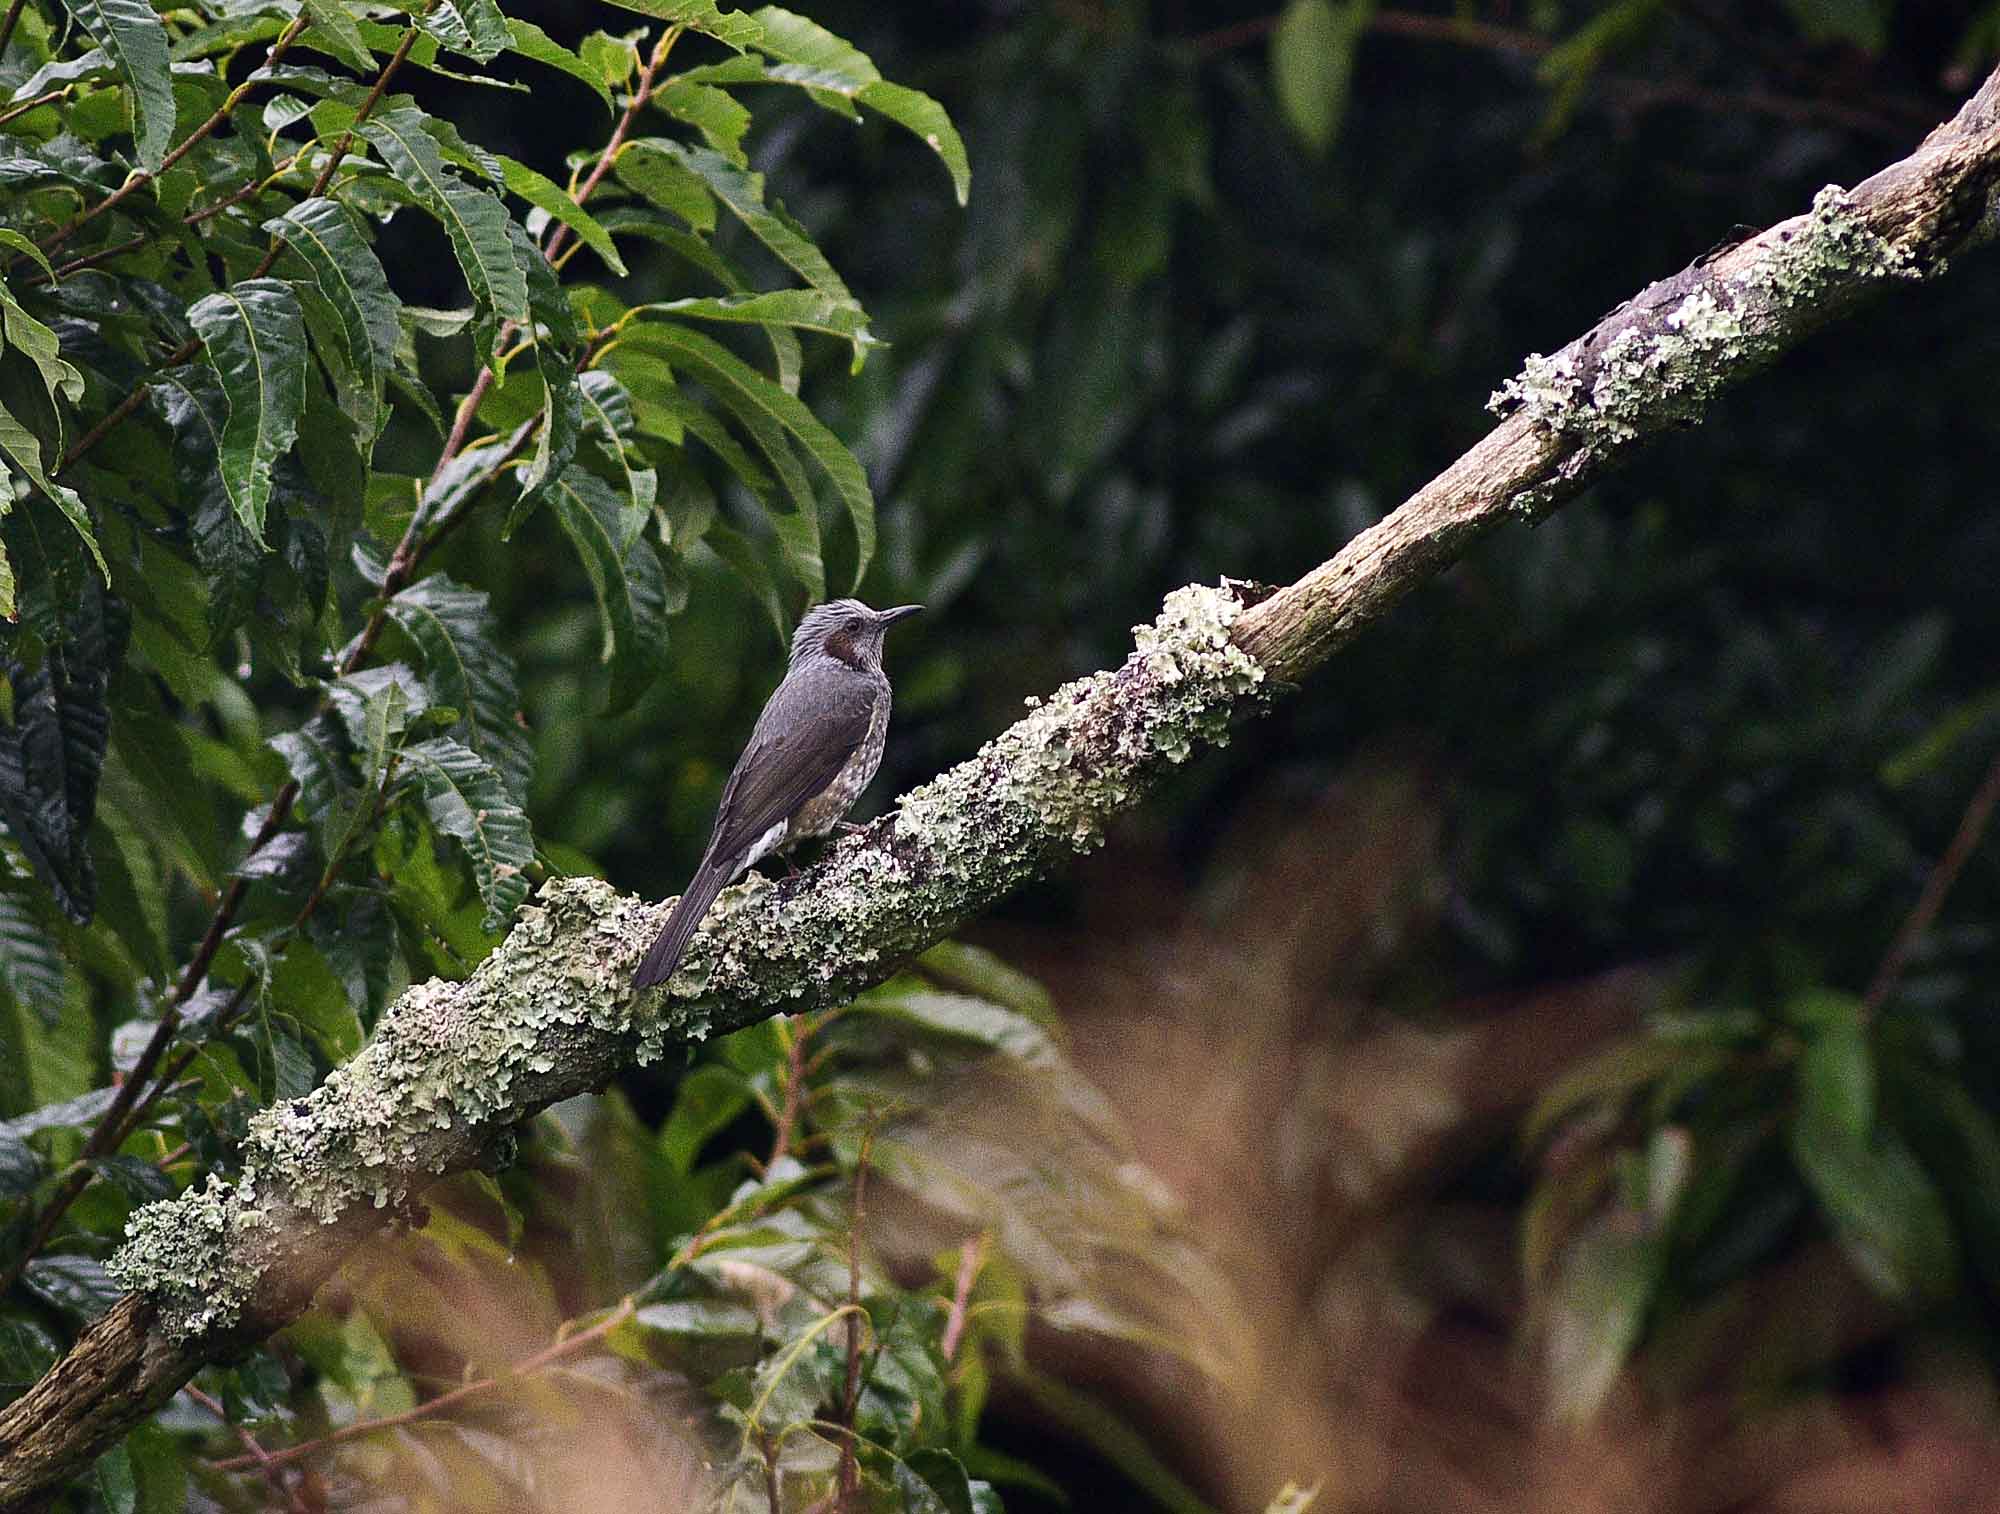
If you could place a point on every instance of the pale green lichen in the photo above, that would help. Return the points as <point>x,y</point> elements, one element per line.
<point>181,1252</point>
<point>454,1066</point>
<point>1666,370</point>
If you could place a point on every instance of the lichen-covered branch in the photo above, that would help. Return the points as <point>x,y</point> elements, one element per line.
<point>455,1067</point>
<point>1654,365</point>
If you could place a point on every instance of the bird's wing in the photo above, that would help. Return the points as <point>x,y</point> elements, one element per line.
<point>808,730</point>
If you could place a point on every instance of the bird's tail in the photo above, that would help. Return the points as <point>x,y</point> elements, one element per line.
<point>665,953</point>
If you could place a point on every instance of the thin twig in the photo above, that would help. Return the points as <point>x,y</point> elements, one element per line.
<point>1964,842</point>
<point>221,114</point>
<point>27,105</point>
<point>850,1466</point>
<point>971,1259</point>
<point>567,1345</point>
<point>273,1475</point>
<point>7,26</point>
<point>798,1030</point>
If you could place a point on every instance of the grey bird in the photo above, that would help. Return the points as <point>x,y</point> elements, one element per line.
<point>814,749</point>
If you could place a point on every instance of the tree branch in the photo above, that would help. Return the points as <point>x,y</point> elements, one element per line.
<point>454,1067</point>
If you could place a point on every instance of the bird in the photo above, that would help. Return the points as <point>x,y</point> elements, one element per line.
<point>813,750</point>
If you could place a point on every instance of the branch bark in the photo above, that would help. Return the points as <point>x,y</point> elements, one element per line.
<point>455,1067</point>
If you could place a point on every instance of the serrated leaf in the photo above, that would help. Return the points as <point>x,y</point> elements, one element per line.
<point>647,169</point>
<point>761,404</point>
<point>52,752</point>
<point>705,16</point>
<point>466,669</point>
<point>472,27</point>
<point>474,220</point>
<point>31,966</point>
<point>743,193</point>
<point>467,801</point>
<point>556,342</point>
<point>333,29</point>
<point>718,115</point>
<point>133,37</point>
<point>255,338</point>
<point>230,558</point>
<point>836,65</point>
<point>627,580</point>
<point>349,276</point>
<point>607,415</point>
<point>539,190</point>
<point>530,41</point>
<point>805,309</point>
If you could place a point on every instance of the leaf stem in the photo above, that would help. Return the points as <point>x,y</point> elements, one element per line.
<point>1964,842</point>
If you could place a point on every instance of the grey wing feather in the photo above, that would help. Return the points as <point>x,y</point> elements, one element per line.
<point>808,730</point>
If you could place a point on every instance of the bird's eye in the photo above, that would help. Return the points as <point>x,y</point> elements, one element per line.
<point>853,623</point>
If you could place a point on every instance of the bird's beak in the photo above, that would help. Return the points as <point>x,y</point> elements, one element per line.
<point>901,612</point>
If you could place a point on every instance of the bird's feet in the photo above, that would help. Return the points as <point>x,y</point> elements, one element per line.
<point>849,828</point>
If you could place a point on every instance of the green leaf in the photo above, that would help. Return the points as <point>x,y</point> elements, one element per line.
<point>349,276</point>
<point>467,801</point>
<point>709,1098</point>
<point>77,1286</point>
<point>230,558</point>
<point>743,193</point>
<point>648,169</point>
<point>472,27</point>
<point>544,193</point>
<point>474,220</point>
<point>1312,63</point>
<point>763,406</point>
<point>530,41</point>
<point>466,670</point>
<point>255,338</point>
<point>1595,1312</point>
<point>835,65</point>
<point>59,380</point>
<point>607,413</point>
<point>333,29</point>
<point>626,577</point>
<point>1837,1080</point>
<point>1884,1208</point>
<point>557,340</point>
<point>805,309</point>
<point>31,965</point>
<point>705,16</point>
<point>52,751</point>
<point>132,35</point>
<point>717,114</point>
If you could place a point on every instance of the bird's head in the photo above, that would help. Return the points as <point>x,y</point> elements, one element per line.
<point>848,630</point>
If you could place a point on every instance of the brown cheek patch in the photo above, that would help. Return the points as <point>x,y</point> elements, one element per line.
<point>841,644</point>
